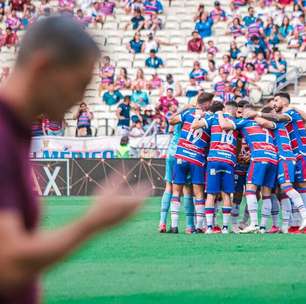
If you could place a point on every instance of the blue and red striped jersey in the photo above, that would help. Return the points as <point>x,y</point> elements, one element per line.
<point>193,144</point>
<point>223,144</point>
<point>297,133</point>
<point>259,140</point>
<point>283,143</point>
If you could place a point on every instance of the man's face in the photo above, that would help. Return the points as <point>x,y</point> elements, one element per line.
<point>251,12</point>
<point>152,55</point>
<point>231,110</point>
<point>57,88</point>
<point>169,93</point>
<point>278,104</point>
<point>83,107</point>
<point>195,35</point>
<point>239,112</point>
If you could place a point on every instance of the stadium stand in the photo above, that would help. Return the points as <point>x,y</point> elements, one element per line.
<point>170,30</point>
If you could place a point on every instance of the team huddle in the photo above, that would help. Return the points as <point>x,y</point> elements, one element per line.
<point>220,153</point>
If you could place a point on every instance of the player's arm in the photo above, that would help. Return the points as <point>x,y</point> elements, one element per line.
<point>225,123</point>
<point>197,124</point>
<point>269,116</point>
<point>24,255</point>
<point>301,112</point>
<point>265,123</point>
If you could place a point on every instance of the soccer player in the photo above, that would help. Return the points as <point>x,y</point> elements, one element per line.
<point>263,167</point>
<point>296,129</point>
<point>167,195</point>
<point>221,161</point>
<point>190,160</point>
<point>54,66</point>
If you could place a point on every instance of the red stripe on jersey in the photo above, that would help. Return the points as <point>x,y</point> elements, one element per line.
<point>190,160</point>
<point>216,129</point>
<point>286,147</point>
<point>264,146</point>
<point>255,130</point>
<point>223,147</point>
<point>300,124</point>
<point>283,133</point>
<point>187,127</point>
<point>266,160</point>
<point>303,139</point>
<point>221,160</point>
<point>188,145</point>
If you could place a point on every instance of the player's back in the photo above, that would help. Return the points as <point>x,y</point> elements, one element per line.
<point>260,140</point>
<point>297,133</point>
<point>283,142</point>
<point>223,144</point>
<point>192,145</point>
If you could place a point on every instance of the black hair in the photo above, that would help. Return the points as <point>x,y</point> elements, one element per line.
<point>62,37</point>
<point>266,109</point>
<point>283,95</point>
<point>242,103</point>
<point>216,106</point>
<point>232,104</point>
<point>205,97</point>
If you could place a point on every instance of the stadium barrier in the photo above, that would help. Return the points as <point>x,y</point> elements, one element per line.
<point>81,177</point>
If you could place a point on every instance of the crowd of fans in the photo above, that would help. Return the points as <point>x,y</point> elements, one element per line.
<point>254,52</point>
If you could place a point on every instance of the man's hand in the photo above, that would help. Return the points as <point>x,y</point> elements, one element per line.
<point>197,124</point>
<point>250,114</point>
<point>112,204</point>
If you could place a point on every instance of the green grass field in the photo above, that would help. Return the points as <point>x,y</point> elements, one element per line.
<point>134,264</point>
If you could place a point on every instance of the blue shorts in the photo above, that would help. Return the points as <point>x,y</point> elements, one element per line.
<point>240,182</point>
<point>286,171</point>
<point>262,174</point>
<point>169,169</point>
<point>182,170</point>
<point>300,170</point>
<point>220,178</point>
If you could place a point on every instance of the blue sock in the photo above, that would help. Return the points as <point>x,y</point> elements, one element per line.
<point>189,211</point>
<point>165,205</point>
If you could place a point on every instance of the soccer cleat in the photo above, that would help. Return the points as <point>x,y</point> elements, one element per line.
<point>275,229</point>
<point>262,230</point>
<point>250,229</point>
<point>162,228</point>
<point>173,230</point>
<point>283,230</point>
<point>303,225</point>
<point>293,230</point>
<point>242,225</point>
<point>216,229</point>
<point>235,229</point>
<point>224,230</point>
<point>199,230</point>
<point>209,231</point>
<point>189,230</point>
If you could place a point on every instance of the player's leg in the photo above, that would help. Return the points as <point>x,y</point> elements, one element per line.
<point>255,178</point>
<point>266,208</point>
<point>301,178</point>
<point>189,208</point>
<point>275,212</point>
<point>227,188</point>
<point>286,212</point>
<point>167,195</point>
<point>197,175</point>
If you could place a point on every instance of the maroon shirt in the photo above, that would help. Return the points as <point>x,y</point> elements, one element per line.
<point>196,46</point>
<point>16,190</point>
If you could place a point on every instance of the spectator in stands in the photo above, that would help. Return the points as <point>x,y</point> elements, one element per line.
<point>148,117</point>
<point>275,37</point>
<point>248,20</point>
<point>96,14</point>
<point>286,28</point>
<point>154,61</point>
<point>154,43</point>
<point>200,10</point>
<point>39,126</point>
<point>240,89</point>
<point>44,4</point>
<point>236,28</point>
<point>295,41</point>
<point>241,61</point>
<point>261,64</point>
<point>175,85</point>
<point>218,14</point>
<point>198,73</point>
<point>140,80</point>
<point>251,74</point>
<point>226,95</point>
<point>237,75</point>
<point>166,101</point>
<point>300,24</point>
<point>26,20</point>
<point>137,21</point>
<point>112,96</point>
<point>257,45</point>
<point>4,74</point>
<point>18,5</point>
<point>226,65</point>
<point>55,128</point>
<point>135,115</point>
<point>234,51</point>
<point>193,89</point>
<point>123,116</point>
<point>153,23</point>
<point>196,44</point>
<point>155,83</point>
<point>153,7</point>
<point>9,39</point>
<point>236,4</point>
<point>66,6</point>
<point>84,20</point>
<point>133,5</point>
<point>13,21</point>
<point>136,45</point>
<point>297,12</point>
<point>219,83</point>
<point>211,48</point>
<point>124,148</point>
<point>122,81</point>
<point>278,66</point>
<point>212,70</point>
<point>107,72</point>
<point>107,8</point>
<point>137,130</point>
<point>140,97</point>
<point>268,26</point>
<point>84,118</point>
<point>204,26</point>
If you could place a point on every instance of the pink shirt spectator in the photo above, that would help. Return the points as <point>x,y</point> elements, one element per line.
<point>66,4</point>
<point>107,69</point>
<point>213,50</point>
<point>13,22</point>
<point>261,67</point>
<point>107,8</point>
<point>166,102</point>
